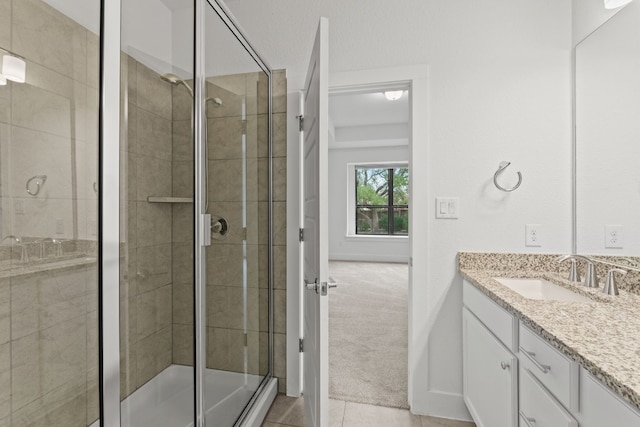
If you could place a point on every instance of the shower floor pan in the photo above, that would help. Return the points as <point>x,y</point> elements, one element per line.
<point>167,399</point>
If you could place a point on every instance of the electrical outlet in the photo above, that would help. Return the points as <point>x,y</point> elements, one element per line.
<point>613,237</point>
<point>532,235</point>
<point>59,226</point>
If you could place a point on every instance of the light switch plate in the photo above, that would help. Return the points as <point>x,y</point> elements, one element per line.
<point>448,207</point>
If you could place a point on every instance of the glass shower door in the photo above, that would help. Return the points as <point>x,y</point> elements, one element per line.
<point>237,198</point>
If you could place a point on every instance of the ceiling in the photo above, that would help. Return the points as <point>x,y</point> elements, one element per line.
<point>363,109</point>
<point>363,34</point>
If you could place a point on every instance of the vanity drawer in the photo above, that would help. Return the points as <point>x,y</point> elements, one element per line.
<point>554,370</point>
<point>499,321</point>
<point>538,408</point>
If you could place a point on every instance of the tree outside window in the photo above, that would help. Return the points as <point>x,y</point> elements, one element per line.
<point>382,201</point>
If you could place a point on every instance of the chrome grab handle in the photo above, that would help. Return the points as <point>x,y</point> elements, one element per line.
<point>544,368</point>
<point>504,365</point>
<point>528,420</point>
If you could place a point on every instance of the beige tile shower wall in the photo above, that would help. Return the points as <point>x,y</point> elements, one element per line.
<point>146,282</point>
<point>225,321</point>
<point>48,125</point>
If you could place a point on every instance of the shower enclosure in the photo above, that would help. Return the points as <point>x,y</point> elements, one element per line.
<point>136,211</point>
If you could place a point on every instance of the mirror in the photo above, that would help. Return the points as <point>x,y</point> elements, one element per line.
<point>608,138</point>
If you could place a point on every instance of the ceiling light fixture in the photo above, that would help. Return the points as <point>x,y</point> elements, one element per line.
<point>614,4</point>
<point>393,95</point>
<point>14,68</point>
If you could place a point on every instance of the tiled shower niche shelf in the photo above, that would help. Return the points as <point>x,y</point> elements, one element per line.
<point>158,199</point>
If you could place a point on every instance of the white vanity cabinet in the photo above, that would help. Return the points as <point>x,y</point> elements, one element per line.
<point>490,368</point>
<point>514,377</point>
<point>599,406</point>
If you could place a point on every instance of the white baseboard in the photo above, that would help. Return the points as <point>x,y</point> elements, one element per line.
<point>443,405</point>
<point>372,258</point>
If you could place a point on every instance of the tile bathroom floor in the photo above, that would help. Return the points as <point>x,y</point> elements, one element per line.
<point>289,412</point>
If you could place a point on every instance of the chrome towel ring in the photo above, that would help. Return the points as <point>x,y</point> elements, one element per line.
<point>501,168</point>
<point>40,180</point>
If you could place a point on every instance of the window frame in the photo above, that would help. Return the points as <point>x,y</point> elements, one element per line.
<point>352,205</point>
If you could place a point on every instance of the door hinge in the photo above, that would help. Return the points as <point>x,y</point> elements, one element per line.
<point>301,235</point>
<point>300,345</point>
<point>300,122</point>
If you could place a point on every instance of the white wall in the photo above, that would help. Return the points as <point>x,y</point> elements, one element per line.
<point>587,16</point>
<point>361,248</point>
<point>499,89</point>
<point>147,32</point>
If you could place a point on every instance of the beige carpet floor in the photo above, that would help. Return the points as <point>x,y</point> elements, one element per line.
<point>368,333</point>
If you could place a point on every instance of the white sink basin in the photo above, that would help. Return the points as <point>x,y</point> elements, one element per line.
<point>541,289</point>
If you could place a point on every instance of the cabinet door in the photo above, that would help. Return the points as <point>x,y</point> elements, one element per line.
<point>490,376</point>
<point>599,406</point>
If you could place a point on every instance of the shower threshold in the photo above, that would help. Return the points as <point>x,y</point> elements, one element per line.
<point>167,399</point>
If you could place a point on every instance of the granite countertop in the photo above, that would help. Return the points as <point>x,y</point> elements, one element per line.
<point>10,269</point>
<point>603,336</point>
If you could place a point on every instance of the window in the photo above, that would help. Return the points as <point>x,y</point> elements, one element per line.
<point>382,200</point>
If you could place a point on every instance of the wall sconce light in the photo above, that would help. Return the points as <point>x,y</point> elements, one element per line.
<point>393,95</point>
<point>3,81</point>
<point>14,68</point>
<point>614,4</point>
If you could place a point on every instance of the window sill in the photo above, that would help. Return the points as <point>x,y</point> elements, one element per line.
<point>369,238</point>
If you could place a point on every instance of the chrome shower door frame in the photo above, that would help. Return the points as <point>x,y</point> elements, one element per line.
<point>109,215</point>
<point>202,232</point>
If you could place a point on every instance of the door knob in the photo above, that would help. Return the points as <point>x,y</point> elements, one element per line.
<point>311,286</point>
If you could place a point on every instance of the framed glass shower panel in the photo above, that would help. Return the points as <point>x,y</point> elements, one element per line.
<point>236,103</point>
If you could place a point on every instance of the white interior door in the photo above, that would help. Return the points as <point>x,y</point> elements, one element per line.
<point>316,238</point>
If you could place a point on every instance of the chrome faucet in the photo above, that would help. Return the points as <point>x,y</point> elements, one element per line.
<point>610,286</point>
<point>590,277</point>
<point>58,244</point>
<point>43,243</point>
<point>15,240</point>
